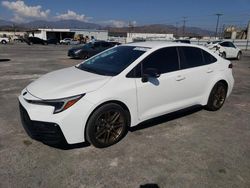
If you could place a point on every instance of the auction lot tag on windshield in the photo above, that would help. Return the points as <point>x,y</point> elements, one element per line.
<point>141,49</point>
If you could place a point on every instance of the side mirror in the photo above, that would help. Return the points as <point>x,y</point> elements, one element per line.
<point>150,73</point>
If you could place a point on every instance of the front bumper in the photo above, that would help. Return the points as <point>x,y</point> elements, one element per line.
<point>49,133</point>
<point>40,122</point>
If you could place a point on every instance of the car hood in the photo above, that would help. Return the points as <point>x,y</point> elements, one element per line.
<point>66,83</point>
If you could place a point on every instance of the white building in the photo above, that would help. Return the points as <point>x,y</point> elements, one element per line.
<point>124,37</point>
<point>60,34</point>
<point>149,36</point>
<point>11,34</point>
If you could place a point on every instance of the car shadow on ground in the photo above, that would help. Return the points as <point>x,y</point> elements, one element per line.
<point>143,125</point>
<point>3,60</point>
<point>150,185</point>
<point>65,146</point>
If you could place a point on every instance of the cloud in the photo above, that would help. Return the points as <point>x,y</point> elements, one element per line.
<point>118,23</point>
<point>71,15</point>
<point>21,10</point>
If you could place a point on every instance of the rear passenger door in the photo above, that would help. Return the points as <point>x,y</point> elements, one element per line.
<point>196,73</point>
<point>233,49</point>
<point>228,49</point>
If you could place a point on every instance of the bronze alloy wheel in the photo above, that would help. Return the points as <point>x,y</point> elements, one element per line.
<point>109,126</point>
<point>219,96</point>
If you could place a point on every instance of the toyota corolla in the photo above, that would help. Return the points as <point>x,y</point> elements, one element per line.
<point>97,100</point>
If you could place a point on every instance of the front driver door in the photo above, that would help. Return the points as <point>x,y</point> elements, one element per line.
<point>159,95</point>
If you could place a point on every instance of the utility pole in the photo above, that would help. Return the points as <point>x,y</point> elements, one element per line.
<point>217,24</point>
<point>222,31</point>
<point>131,27</point>
<point>176,29</point>
<point>184,25</point>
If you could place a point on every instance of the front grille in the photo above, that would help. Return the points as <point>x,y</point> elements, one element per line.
<point>49,133</point>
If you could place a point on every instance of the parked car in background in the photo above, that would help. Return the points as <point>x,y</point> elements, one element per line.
<point>4,40</point>
<point>90,49</point>
<point>36,40</point>
<point>66,41</point>
<point>226,49</point>
<point>19,39</point>
<point>98,100</point>
<point>69,41</point>
<point>211,44</point>
<point>183,41</point>
<point>52,41</point>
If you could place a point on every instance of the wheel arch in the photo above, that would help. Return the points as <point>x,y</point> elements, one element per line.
<point>221,80</point>
<point>120,103</point>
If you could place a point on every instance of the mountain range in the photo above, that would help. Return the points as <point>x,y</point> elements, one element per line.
<point>152,28</point>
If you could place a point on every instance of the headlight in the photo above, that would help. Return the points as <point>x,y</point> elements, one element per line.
<point>78,51</point>
<point>59,104</point>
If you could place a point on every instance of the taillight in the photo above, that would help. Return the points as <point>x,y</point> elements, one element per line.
<point>230,66</point>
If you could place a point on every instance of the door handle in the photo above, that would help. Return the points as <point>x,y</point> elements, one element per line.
<point>210,70</point>
<point>180,78</point>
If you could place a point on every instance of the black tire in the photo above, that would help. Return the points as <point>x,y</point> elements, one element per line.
<point>223,55</point>
<point>107,125</point>
<point>239,55</point>
<point>217,97</point>
<point>4,42</point>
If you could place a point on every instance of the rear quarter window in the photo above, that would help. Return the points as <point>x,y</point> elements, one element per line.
<point>208,58</point>
<point>190,57</point>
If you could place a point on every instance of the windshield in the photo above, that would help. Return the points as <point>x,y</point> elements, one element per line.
<point>88,45</point>
<point>214,42</point>
<point>113,61</point>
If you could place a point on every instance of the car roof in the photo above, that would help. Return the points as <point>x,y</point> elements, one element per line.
<point>159,44</point>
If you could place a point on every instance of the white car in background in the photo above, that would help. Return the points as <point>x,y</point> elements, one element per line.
<point>225,49</point>
<point>99,99</point>
<point>69,41</point>
<point>4,40</point>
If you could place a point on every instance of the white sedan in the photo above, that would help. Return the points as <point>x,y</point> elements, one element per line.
<point>69,41</point>
<point>4,40</point>
<point>99,99</point>
<point>226,49</point>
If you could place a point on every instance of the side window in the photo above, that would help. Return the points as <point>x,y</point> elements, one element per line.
<point>190,57</point>
<point>224,44</point>
<point>208,58</point>
<point>135,72</point>
<point>231,45</point>
<point>165,60</point>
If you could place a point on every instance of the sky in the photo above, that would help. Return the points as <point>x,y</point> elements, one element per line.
<point>198,13</point>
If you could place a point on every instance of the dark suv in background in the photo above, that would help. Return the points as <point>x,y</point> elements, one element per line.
<point>35,40</point>
<point>90,49</point>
